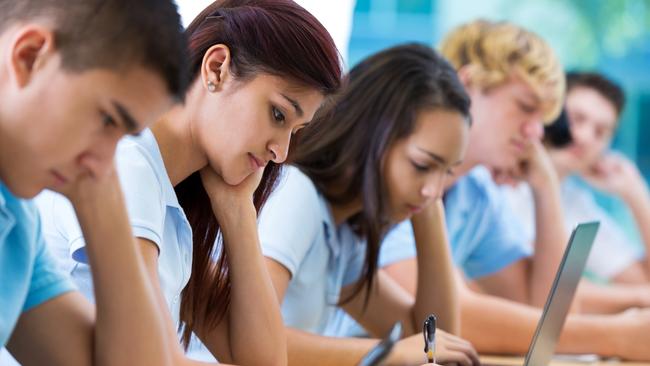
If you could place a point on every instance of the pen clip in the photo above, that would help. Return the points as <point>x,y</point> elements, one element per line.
<point>429,332</point>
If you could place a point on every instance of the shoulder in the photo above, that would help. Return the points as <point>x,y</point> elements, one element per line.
<point>294,189</point>
<point>134,158</point>
<point>476,189</point>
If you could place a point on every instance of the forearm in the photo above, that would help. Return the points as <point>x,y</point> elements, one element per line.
<point>598,299</point>
<point>550,241</point>
<point>129,326</point>
<point>510,327</point>
<point>639,204</point>
<point>436,289</point>
<point>255,322</point>
<point>495,325</point>
<point>310,349</point>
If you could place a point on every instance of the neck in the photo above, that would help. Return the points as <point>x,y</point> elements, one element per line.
<point>177,145</point>
<point>471,160</point>
<point>343,212</point>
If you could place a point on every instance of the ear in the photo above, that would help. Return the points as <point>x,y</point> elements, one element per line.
<point>465,75</point>
<point>31,48</point>
<point>215,68</point>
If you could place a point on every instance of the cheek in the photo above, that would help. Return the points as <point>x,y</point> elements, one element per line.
<point>402,182</point>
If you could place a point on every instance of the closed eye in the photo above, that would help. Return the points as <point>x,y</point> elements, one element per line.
<point>107,120</point>
<point>278,116</point>
<point>526,108</point>
<point>419,167</point>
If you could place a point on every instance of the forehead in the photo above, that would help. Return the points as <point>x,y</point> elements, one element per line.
<point>515,87</point>
<point>141,92</point>
<point>439,131</point>
<point>274,82</point>
<point>308,98</point>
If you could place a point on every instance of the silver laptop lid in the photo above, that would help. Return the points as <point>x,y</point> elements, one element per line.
<point>561,295</point>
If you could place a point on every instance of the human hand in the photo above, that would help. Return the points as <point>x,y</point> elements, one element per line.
<point>629,327</point>
<point>615,174</point>
<point>535,167</point>
<point>228,200</point>
<point>449,350</point>
<point>94,189</point>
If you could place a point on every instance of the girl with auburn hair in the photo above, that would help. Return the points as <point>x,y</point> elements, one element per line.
<point>194,181</point>
<point>378,155</point>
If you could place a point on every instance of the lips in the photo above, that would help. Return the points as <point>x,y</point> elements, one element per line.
<point>520,146</point>
<point>576,151</point>
<point>257,163</point>
<point>59,178</point>
<point>414,209</point>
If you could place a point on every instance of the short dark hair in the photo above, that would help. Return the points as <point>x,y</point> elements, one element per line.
<point>112,34</point>
<point>601,84</point>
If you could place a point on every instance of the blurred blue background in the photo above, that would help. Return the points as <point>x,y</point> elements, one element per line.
<point>609,36</point>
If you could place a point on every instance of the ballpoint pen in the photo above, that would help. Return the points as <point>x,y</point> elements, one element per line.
<point>429,332</point>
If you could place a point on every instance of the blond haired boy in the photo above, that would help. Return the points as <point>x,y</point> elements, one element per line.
<point>516,84</point>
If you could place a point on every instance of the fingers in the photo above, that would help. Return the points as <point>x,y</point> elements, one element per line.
<point>455,357</point>
<point>458,345</point>
<point>467,349</point>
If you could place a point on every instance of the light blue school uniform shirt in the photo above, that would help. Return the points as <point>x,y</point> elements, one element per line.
<point>154,214</point>
<point>298,231</point>
<point>484,234</point>
<point>28,273</point>
<point>613,251</point>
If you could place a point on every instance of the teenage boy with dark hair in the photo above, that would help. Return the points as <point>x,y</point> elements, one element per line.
<point>75,76</point>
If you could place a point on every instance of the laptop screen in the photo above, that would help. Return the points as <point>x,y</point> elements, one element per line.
<point>561,295</point>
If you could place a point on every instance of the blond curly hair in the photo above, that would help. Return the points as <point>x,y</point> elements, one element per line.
<point>497,51</point>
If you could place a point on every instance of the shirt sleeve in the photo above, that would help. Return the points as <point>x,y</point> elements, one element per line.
<point>290,220</point>
<point>143,195</point>
<point>47,281</point>
<point>502,240</point>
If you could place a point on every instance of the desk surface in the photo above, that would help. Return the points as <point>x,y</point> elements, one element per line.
<point>518,361</point>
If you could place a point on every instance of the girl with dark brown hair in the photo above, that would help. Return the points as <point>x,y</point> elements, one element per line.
<point>261,70</point>
<point>377,155</point>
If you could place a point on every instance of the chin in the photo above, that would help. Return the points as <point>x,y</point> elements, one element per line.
<point>25,191</point>
<point>397,218</point>
<point>234,179</point>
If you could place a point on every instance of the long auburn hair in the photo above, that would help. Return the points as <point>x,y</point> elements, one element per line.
<point>343,149</point>
<point>276,37</point>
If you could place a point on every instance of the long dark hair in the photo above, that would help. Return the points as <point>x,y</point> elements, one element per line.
<point>276,37</point>
<point>343,149</point>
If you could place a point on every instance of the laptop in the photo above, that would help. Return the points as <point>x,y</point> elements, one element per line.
<point>561,295</point>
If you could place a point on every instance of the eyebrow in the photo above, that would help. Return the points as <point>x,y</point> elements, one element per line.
<point>131,125</point>
<point>434,156</point>
<point>530,98</point>
<point>295,105</point>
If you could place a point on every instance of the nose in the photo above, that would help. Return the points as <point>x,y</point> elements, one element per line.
<point>533,129</point>
<point>280,150</point>
<point>434,186</point>
<point>97,160</point>
<point>580,133</point>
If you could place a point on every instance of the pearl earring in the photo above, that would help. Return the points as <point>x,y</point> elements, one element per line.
<point>211,87</point>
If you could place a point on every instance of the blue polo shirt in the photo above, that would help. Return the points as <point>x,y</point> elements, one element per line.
<point>298,231</point>
<point>484,232</point>
<point>28,274</point>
